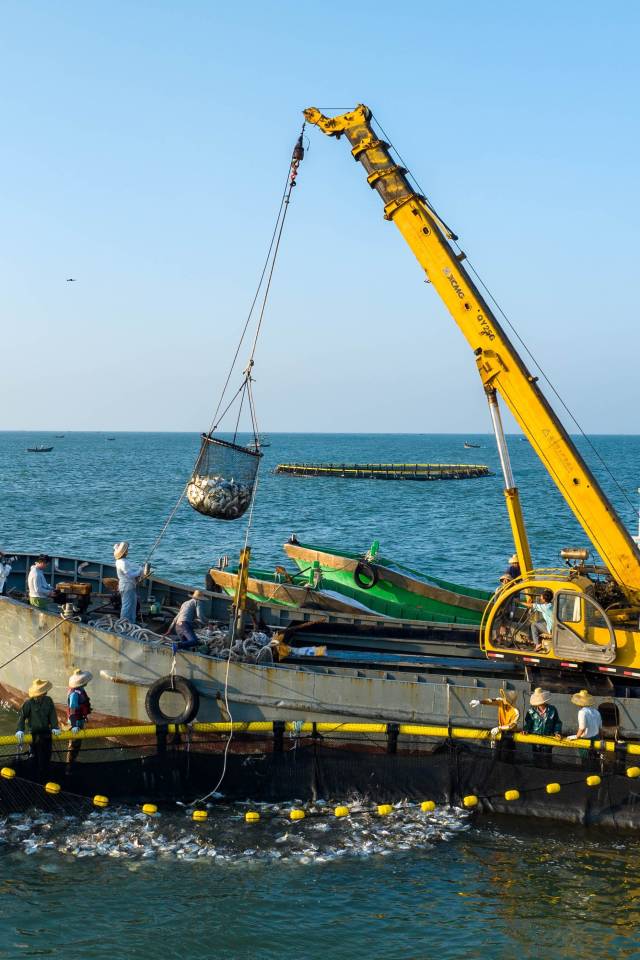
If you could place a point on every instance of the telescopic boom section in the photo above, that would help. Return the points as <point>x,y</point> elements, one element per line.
<point>499,365</point>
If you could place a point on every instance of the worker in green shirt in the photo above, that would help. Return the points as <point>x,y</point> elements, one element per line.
<point>39,714</point>
<point>543,720</point>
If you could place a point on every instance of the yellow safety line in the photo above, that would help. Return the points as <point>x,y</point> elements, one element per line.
<point>297,727</point>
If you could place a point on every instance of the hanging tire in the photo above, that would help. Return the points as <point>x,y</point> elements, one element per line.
<point>365,575</point>
<point>172,685</point>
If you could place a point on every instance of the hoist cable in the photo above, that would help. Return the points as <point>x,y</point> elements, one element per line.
<point>245,386</point>
<point>268,265</point>
<point>502,313</point>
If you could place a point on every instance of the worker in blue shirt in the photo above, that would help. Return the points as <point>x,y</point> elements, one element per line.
<point>545,625</point>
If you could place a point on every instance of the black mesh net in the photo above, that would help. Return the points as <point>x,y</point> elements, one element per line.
<point>222,482</point>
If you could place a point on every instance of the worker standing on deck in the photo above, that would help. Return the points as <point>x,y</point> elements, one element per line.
<point>128,576</point>
<point>189,613</point>
<point>78,709</point>
<point>39,714</point>
<point>512,572</point>
<point>39,590</point>
<point>5,569</point>
<point>543,720</point>
<point>508,716</point>
<point>589,725</point>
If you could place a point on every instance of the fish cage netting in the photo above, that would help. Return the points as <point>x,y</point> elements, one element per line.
<point>223,479</point>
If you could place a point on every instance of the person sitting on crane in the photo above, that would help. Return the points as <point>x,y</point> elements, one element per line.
<point>541,629</point>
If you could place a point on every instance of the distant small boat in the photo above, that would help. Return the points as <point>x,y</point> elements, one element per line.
<point>468,445</point>
<point>59,436</point>
<point>110,438</point>
<point>39,449</point>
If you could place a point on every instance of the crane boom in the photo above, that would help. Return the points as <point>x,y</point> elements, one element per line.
<point>501,368</point>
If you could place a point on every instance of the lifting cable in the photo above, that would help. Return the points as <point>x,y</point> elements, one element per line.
<point>245,386</point>
<point>454,242</point>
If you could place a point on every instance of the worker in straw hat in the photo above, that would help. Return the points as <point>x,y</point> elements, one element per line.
<point>129,575</point>
<point>190,613</point>
<point>508,716</point>
<point>589,724</point>
<point>513,570</point>
<point>543,720</point>
<point>78,710</point>
<point>5,569</point>
<point>39,714</point>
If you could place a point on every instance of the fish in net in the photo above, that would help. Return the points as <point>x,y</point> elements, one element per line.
<point>223,479</point>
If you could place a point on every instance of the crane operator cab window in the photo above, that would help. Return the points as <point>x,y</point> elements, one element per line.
<point>525,621</point>
<point>564,624</point>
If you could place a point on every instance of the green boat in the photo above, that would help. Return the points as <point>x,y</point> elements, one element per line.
<point>298,591</point>
<point>389,588</point>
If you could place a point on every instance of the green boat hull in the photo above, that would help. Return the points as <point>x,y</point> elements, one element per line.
<point>399,591</point>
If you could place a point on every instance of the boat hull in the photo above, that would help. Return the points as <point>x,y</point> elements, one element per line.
<point>399,591</point>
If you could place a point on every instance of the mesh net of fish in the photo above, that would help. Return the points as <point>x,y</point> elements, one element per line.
<point>223,479</point>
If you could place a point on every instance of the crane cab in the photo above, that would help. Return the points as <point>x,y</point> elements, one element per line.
<point>570,625</point>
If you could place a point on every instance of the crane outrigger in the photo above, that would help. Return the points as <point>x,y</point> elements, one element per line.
<point>595,609</point>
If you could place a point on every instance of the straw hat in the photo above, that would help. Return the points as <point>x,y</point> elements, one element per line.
<point>121,549</point>
<point>197,595</point>
<point>582,699</point>
<point>513,558</point>
<point>39,687</point>
<point>509,696</point>
<point>539,696</point>
<point>80,678</point>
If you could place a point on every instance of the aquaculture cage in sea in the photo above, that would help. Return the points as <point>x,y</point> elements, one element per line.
<point>223,479</point>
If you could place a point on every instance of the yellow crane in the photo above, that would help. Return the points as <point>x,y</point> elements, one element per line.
<point>593,617</point>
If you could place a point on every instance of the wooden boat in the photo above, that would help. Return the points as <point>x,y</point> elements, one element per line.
<point>39,449</point>
<point>390,588</point>
<point>292,590</point>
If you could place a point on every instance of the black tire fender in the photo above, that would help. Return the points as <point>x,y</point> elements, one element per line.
<point>175,685</point>
<point>365,575</point>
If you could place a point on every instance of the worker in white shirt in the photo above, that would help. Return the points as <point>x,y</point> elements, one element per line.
<point>129,574</point>
<point>5,569</point>
<point>39,590</point>
<point>589,724</point>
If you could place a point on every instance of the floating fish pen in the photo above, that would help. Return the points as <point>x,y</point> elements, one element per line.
<point>387,471</point>
<point>386,765</point>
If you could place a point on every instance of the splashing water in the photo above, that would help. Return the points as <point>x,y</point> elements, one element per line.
<point>122,833</point>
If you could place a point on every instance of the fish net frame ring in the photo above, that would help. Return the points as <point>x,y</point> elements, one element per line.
<point>199,815</point>
<point>251,816</point>
<point>100,800</point>
<point>223,479</point>
<point>8,773</point>
<point>52,788</point>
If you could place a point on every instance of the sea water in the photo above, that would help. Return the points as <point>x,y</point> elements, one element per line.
<point>412,885</point>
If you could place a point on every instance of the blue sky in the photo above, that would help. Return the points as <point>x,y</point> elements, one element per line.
<point>144,148</point>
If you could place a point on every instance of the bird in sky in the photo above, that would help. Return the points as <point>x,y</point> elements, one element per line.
<point>71,279</point>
